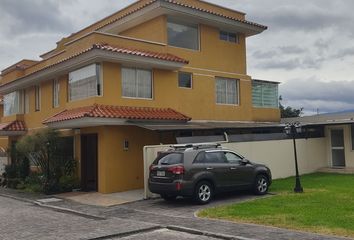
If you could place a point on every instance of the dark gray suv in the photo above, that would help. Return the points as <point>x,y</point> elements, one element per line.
<point>200,171</point>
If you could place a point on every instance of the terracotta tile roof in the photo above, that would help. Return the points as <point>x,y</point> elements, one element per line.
<point>121,112</point>
<point>183,5</point>
<point>13,126</point>
<point>141,53</point>
<point>215,13</point>
<point>121,50</point>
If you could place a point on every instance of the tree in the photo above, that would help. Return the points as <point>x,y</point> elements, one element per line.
<point>289,112</point>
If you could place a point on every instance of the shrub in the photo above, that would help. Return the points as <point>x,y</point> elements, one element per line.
<point>11,171</point>
<point>68,183</point>
<point>45,149</point>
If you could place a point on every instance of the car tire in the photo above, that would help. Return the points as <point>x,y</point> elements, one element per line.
<point>261,185</point>
<point>168,198</point>
<point>204,192</point>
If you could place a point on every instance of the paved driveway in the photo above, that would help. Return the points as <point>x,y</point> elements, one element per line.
<point>20,220</point>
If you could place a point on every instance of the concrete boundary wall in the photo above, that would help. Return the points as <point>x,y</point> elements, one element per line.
<point>278,155</point>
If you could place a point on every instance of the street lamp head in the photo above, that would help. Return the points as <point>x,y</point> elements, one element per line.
<point>287,130</point>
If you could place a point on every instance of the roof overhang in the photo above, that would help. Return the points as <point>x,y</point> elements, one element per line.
<point>207,125</point>
<point>92,56</point>
<point>12,133</point>
<point>96,122</point>
<point>160,8</point>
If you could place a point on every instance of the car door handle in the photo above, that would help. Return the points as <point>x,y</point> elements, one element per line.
<point>209,168</point>
<point>233,168</point>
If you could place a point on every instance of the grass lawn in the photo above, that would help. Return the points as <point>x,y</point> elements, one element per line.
<point>326,206</point>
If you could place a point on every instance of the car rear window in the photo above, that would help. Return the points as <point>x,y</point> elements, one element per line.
<point>169,159</point>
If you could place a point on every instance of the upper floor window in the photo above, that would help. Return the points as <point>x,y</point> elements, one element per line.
<point>56,88</point>
<point>85,82</point>
<point>265,94</point>
<point>184,35</point>
<point>13,103</point>
<point>136,83</point>
<point>37,98</point>
<point>27,101</point>
<point>226,91</point>
<point>229,36</point>
<point>184,80</point>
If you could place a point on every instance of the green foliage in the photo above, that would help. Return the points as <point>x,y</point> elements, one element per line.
<point>45,149</point>
<point>68,183</point>
<point>11,171</point>
<point>289,112</point>
<point>322,208</point>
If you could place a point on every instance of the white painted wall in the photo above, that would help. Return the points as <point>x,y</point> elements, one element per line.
<point>277,155</point>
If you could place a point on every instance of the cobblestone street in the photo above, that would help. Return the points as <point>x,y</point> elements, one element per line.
<point>150,219</point>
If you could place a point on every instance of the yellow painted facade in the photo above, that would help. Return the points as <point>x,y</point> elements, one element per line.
<point>120,170</point>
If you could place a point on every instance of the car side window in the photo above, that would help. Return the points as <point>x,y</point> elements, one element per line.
<point>200,158</point>
<point>233,158</point>
<point>215,157</point>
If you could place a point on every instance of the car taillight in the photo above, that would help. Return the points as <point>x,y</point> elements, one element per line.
<point>151,167</point>
<point>177,170</point>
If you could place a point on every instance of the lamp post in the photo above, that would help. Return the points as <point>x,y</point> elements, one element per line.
<point>292,129</point>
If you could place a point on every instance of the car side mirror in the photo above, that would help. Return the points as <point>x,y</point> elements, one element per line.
<point>245,161</point>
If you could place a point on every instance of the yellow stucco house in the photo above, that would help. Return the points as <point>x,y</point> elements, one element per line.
<point>148,74</point>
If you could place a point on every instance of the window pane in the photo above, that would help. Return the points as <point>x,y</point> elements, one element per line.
<point>83,83</point>
<point>226,91</point>
<point>183,35</point>
<point>37,93</point>
<point>27,99</point>
<point>128,82</point>
<point>12,103</point>
<point>144,83</point>
<point>223,35</point>
<point>221,91</point>
<point>232,37</point>
<point>231,97</point>
<point>56,93</point>
<point>265,94</point>
<point>185,80</point>
<point>136,83</point>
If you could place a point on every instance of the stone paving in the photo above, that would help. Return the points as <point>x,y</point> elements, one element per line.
<point>47,224</point>
<point>22,220</point>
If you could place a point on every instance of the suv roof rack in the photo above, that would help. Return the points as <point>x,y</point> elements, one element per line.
<point>197,146</point>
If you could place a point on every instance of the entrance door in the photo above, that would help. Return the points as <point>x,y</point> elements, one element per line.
<point>89,164</point>
<point>337,148</point>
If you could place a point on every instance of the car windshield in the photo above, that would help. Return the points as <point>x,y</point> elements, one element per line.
<point>169,159</point>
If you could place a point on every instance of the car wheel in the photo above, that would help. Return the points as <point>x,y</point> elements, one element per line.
<point>261,185</point>
<point>168,197</point>
<point>203,192</point>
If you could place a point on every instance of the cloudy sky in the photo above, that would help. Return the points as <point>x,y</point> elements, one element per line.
<point>308,47</point>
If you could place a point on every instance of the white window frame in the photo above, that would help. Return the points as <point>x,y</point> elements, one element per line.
<point>56,93</point>
<point>99,83</point>
<point>152,83</point>
<point>191,80</point>
<point>237,91</point>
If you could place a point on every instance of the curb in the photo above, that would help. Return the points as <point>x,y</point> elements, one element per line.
<point>207,234</point>
<point>125,234</point>
<point>70,211</point>
<point>55,208</point>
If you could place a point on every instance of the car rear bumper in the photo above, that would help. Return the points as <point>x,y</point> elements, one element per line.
<point>177,188</point>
